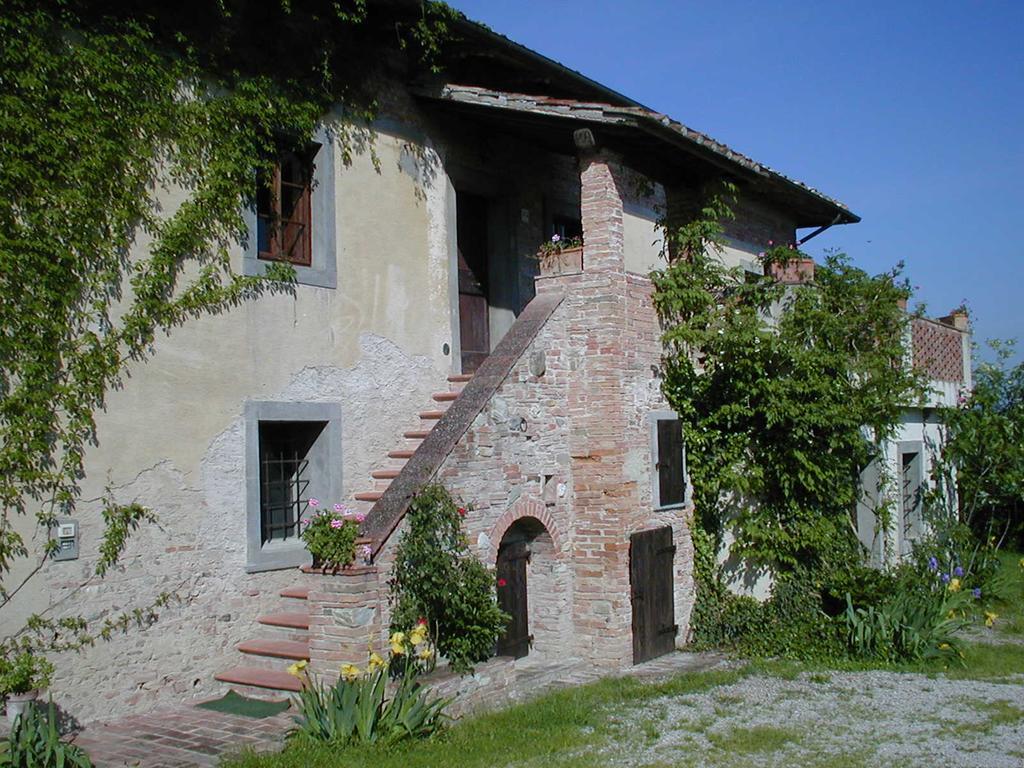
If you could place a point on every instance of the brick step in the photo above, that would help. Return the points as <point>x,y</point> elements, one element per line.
<point>288,619</point>
<point>279,649</point>
<point>260,678</point>
<point>368,495</point>
<point>401,454</point>
<point>431,415</point>
<point>416,434</point>
<point>445,397</point>
<point>385,474</point>
<point>460,378</point>
<point>298,593</point>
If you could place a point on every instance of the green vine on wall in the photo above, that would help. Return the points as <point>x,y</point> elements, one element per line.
<point>106,112</point>
<point>785,393</point>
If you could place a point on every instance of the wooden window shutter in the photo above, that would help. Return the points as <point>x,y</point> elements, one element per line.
<point>671,478</point>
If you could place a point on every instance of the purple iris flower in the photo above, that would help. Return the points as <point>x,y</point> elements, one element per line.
<point>945,578</point>
<point>958,571</point>
<point>977,593</point>
<point>933,564</point>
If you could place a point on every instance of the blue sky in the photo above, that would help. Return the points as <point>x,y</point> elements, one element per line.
<point>911,113</point>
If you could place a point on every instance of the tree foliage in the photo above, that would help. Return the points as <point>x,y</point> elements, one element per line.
<point>785,392</point>
<point>979,475</point>
<point>108,110</point>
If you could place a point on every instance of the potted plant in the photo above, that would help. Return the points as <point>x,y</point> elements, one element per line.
<point>561,256</point>
<point>22,677</point>
<point>330,535</point>
<point>787,264</point>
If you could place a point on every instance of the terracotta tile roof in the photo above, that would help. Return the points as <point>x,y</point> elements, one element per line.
<point>610,114</point>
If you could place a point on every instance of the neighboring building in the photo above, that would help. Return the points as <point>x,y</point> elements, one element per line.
<point>941,350</point>
<point>410,279</point>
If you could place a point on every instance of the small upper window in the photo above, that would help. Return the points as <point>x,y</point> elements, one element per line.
<point>670,463</point>
<point>284,213</point>
<point>566,227</point>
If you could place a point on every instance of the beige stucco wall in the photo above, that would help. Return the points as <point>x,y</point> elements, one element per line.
<point>643,206</point>
<point>172,438</point>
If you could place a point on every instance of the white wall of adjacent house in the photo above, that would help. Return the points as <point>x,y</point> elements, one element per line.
<point>907,461</point>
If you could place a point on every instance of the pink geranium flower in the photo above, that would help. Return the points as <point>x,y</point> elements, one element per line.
<point>336,523</point>
<point>314,502</point>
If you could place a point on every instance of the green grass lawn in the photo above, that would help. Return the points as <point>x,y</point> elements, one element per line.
<point>564,729</point>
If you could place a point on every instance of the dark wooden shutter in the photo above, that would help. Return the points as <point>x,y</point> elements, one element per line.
<point>651,555</point>
<point>671,483</point>
<point>511,573</point>
<point>473,250</point>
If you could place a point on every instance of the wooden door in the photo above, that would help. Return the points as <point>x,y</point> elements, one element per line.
<point>511,573</point>
<point>651,590</point>
<point>474,326</point>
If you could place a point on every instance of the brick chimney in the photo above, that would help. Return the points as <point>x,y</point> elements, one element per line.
<point>958,318</point>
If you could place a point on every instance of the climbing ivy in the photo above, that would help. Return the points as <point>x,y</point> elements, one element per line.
<point>785,394</point>
<point>107,111</point>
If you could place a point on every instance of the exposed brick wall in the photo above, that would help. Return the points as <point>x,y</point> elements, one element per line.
<point>344,618</point>
<point>561,453</point>
<point>937,350</point>
<point>756,223</point>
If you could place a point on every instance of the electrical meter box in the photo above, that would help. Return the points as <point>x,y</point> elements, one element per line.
<point>66,535</point>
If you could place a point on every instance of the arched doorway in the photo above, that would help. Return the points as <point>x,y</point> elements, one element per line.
<point>532,589</point>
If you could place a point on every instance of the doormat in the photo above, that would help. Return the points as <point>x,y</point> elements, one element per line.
<point>233,704</point>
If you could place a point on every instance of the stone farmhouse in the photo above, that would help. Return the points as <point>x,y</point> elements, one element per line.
<point>423,343</point>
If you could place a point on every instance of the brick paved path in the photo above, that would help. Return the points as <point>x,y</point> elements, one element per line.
<point>187,736</point>
<point>184,736</point>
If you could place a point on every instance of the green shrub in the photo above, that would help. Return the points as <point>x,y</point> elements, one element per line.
<point>919,620</point>
<point>357,709</point>
<point>34,742</point>
<point>790,624</point>
<point>438,579</point>
<point>23,673</point>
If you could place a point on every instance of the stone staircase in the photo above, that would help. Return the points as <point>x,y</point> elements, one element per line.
<point>285,633</point>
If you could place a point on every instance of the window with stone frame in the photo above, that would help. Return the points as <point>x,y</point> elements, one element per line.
<point>669,481</point>
<point>284,226</point>
<point>292,455</point>
<point>293,219</point>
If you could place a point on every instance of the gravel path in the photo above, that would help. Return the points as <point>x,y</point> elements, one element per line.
<point>829,719</point>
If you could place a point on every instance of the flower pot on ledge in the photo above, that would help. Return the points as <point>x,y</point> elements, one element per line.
<point>566,262</point>
<point>17,703</point>
<point>791,272</point>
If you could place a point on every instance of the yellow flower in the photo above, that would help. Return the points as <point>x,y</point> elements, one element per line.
<point>349,672</point>
<point>418,635</point>
<point>954,585</point>
<point>990,618</point>
<point>375,662</point>
<point>1022,562</point>
<point>398,643</point>
<point>426,654</point>
<point>944,647</point>
<point>298,668</point>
